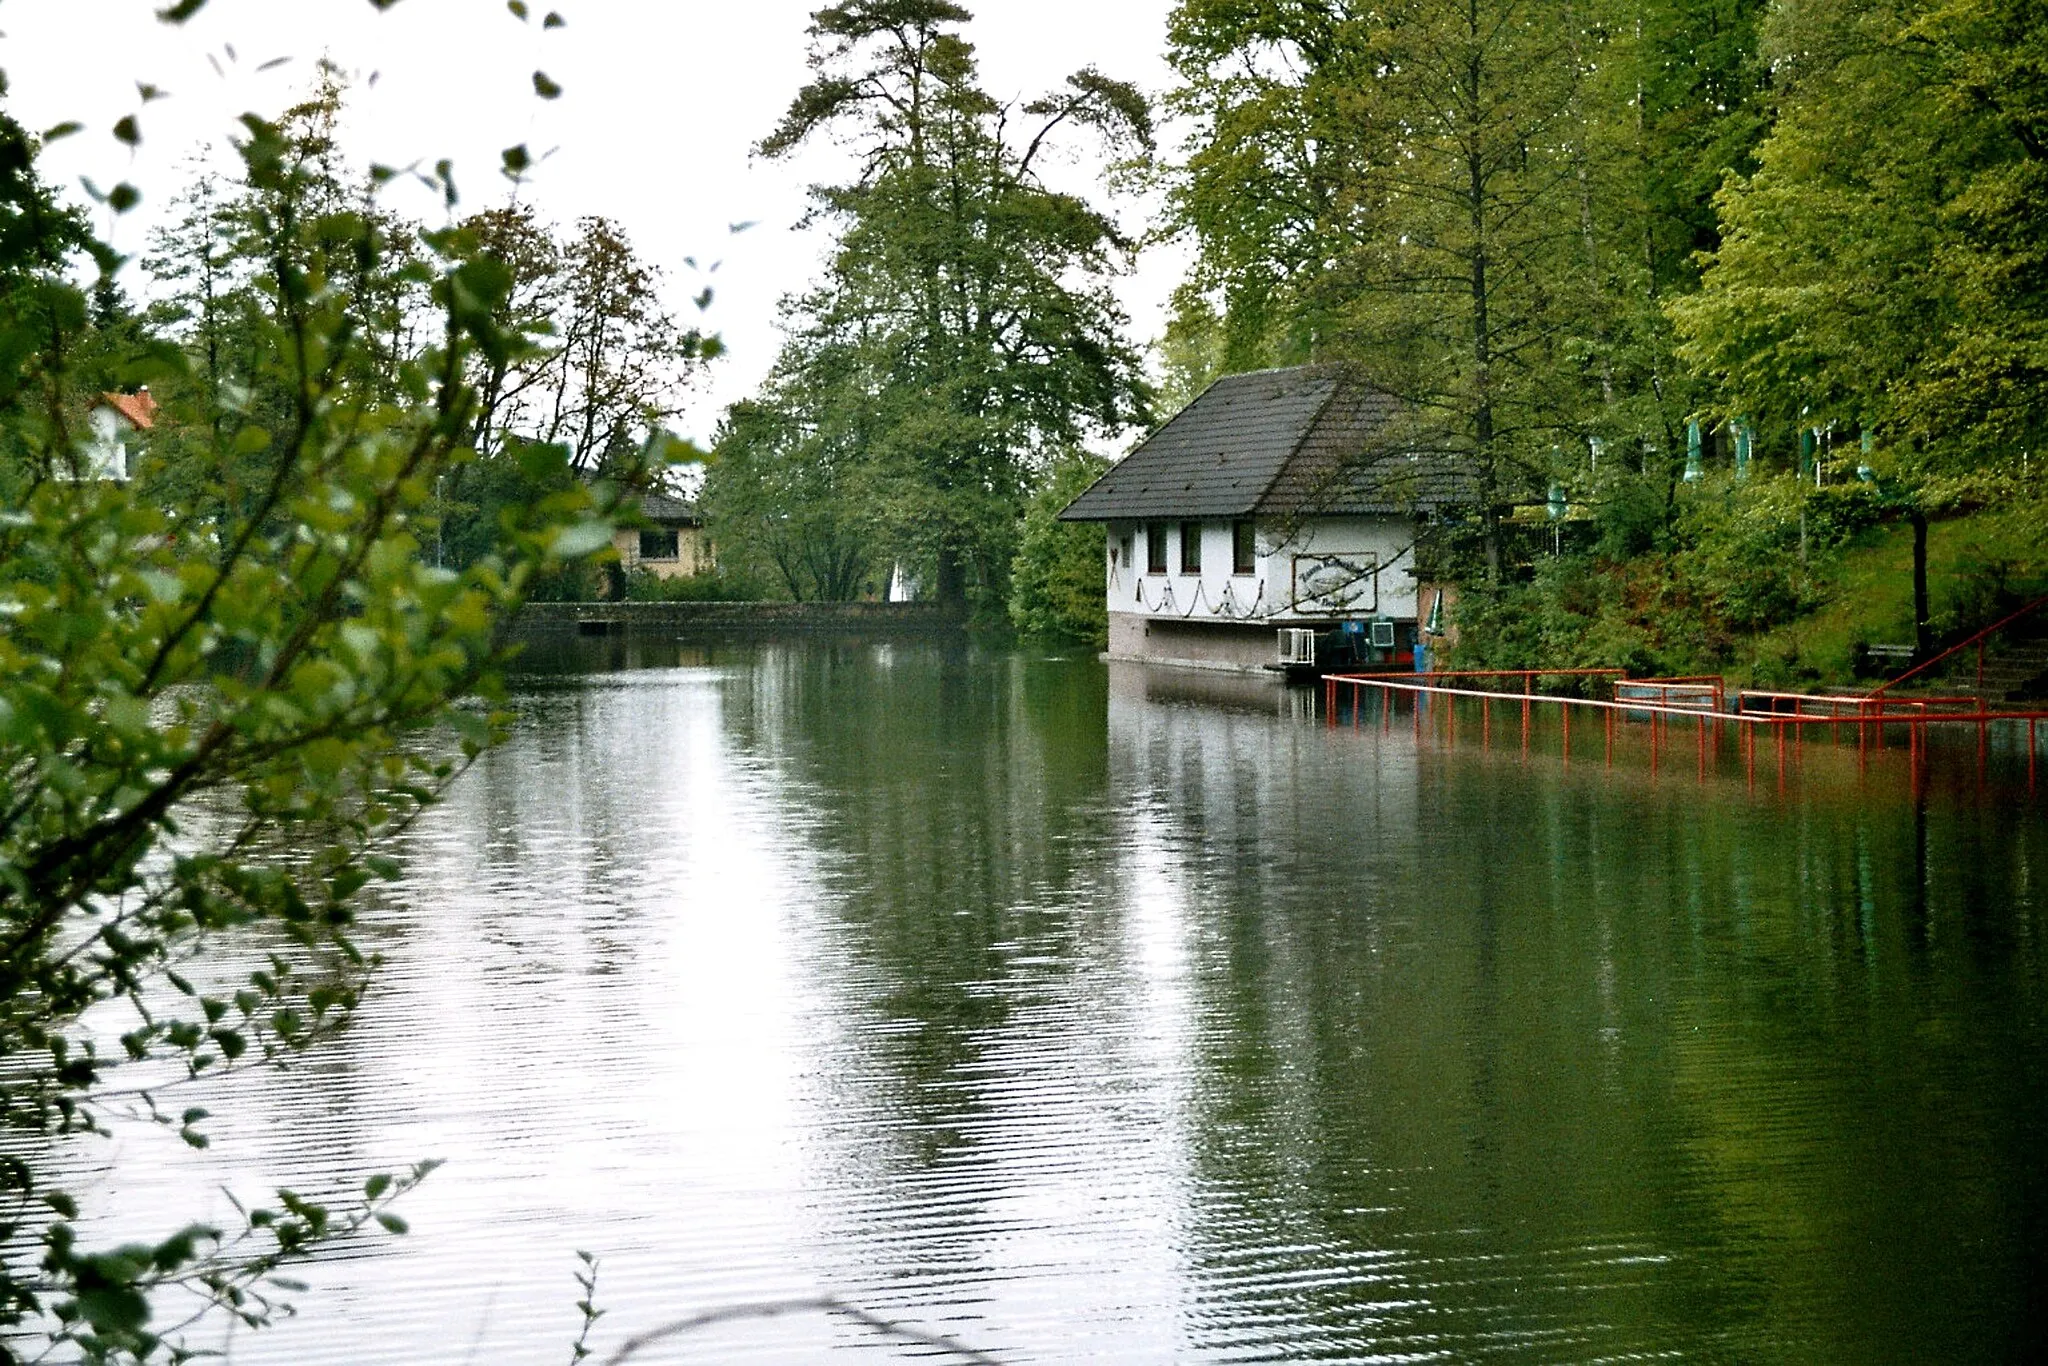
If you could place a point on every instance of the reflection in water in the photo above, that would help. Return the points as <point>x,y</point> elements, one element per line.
<point>1139,1016</point>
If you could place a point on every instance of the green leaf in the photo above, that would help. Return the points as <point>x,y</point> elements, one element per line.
<point>544,87</point>
<point>114,1308</point>
<point>554,20</point>
<point>62,130</point>
<point>180,12</point>
<point>581,538</point>
<point>62,1203</point>
<point>517,160</point>
<point>127,130</point>
<point>162,588</point>
<point>518,7</point>
<point>393,1224</point>
<point>123,197</point>
<point>541,461</point>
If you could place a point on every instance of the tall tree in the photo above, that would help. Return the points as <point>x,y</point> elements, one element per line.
<point>968,304</point>
<point>1886,265</point>
<point>1480,203</point>
<point>622,356</point>
<point>512,387</point>
<point>1433,202</point>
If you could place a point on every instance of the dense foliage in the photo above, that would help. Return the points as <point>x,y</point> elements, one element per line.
<point>227,680</point>
<point>1056,581</point>
<point>1596,246</point>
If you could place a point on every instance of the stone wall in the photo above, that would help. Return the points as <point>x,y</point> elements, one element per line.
<point>551,621</point>
<point>1247,647</point>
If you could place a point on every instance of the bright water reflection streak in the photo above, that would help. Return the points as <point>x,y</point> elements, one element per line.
<point>1140,1018</point>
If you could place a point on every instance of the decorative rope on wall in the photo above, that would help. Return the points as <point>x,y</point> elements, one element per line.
<point>1227,609</point>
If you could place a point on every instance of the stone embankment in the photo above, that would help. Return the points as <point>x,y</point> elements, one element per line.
<point>547,622</point>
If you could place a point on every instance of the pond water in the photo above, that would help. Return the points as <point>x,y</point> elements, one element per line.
<point>1084,1013</point>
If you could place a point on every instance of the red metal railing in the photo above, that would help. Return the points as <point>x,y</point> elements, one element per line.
<point>1782,713</point>
<point>1953,650</point>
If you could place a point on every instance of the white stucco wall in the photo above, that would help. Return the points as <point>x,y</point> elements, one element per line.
<point>106,452</point>
<point>1270,592</point>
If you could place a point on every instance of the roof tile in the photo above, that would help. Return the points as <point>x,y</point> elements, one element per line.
<point>1292,441</point>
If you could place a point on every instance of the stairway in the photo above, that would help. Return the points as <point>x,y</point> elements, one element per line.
<point>2012,666</point>
<point>2015,669</point>
<point>2017,673</point>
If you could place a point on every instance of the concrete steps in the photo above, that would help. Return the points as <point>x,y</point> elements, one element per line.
<point>2014,668</point>
<point>2016,673</point>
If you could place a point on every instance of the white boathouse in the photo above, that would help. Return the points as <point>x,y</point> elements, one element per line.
<point>1275,508</point>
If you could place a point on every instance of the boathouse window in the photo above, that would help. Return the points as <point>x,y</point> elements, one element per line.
<point>659,545</point>
<point>1244,548</point>
<point>1190,547</point>
<point>1155,547</point>
<point>1127,545</point>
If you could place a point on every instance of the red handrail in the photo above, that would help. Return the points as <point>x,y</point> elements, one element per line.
<point>1959,647</point>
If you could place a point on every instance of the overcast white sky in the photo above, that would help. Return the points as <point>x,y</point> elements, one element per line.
<point>662,102</point>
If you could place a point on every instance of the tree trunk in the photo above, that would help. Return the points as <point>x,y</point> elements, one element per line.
<point>1923,643</point>
<point>950,586</point>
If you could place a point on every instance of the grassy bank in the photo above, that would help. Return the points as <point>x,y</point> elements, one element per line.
<point>1768,586</point>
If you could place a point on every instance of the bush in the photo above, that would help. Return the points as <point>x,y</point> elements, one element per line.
<point>716,586</point>
<point>223,697</point>
<point>1056,579</point>
<point>1683,595</point>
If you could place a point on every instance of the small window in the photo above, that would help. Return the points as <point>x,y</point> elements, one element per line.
<point>1155,547</point>
<point>1244,549</point>
<point>1190,547</point>
<point>1128,543</point>
<point>659,545</point>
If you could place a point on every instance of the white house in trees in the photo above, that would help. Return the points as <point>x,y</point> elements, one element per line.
<point>116,421</point>
<point>1277,502</point>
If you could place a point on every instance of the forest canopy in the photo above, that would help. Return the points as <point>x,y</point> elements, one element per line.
<point>1638,259</point>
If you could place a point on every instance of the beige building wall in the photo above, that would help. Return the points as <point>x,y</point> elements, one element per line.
<point>693,554</point>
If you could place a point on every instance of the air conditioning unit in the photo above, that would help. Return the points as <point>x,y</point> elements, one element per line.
<point>1297,646</point>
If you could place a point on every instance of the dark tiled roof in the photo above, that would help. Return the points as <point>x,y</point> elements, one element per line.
<point>1299,440</point>
<point>1354,461</point>
<point>664,510</point>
